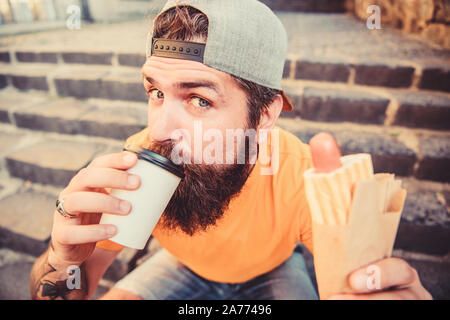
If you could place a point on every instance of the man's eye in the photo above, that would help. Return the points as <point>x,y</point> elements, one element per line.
<point>155,94</point>
<point>200,103</point>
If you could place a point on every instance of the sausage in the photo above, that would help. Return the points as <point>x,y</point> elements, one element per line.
<point>325,152</point>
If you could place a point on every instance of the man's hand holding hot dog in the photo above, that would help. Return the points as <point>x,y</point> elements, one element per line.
<point>396,278</point>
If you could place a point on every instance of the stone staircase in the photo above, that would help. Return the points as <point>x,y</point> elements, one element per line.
<point>378,92</point>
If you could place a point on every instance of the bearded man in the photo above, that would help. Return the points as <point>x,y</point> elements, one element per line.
<point>231,229</point>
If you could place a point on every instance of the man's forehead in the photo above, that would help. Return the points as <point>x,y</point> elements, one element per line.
<point>170,69</point>
<point>173,64</point>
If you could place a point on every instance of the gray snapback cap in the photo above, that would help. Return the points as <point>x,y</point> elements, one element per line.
<point>245,39</point>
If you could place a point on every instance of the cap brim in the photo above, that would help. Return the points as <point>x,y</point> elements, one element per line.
<point>287,105</point>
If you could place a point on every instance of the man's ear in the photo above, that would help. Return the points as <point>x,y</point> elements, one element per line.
<point>270,114</point>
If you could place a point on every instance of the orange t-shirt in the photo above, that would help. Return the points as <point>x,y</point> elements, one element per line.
<point>259,229</point>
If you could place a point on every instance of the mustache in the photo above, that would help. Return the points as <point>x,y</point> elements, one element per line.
<point>163,148</point>
<point>183,157</point>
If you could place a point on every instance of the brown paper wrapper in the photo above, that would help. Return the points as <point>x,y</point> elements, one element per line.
<point>368,236</point>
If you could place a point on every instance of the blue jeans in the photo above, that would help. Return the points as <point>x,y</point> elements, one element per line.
<point>163,277</point>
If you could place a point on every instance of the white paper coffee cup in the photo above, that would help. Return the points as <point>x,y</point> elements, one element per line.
<point>159,179</point>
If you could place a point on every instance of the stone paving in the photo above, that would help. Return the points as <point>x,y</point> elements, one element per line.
<point>73,95</point>
<point>344,36</point>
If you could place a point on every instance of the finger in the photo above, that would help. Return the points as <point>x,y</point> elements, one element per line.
<point>401,294</point>
<point>103,178</point>
<point>78,202</point>
<point>383,274</point>
<point>80,234</point>
<point>121,160</point>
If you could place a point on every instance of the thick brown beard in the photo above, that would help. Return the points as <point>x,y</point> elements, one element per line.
<point>203,196</point>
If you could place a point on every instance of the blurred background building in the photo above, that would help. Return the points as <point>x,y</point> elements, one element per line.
<point>25,11</point>
<point>430,18</point>
<point>70,92</point>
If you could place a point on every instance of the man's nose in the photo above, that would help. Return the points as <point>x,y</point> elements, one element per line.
<point>163,122</point>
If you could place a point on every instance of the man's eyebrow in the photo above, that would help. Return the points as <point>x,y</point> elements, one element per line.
<point>191,85</point>
<point>199,84</point>
<point>152,81</point>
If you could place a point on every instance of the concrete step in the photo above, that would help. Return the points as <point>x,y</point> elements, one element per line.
<point>329,102</point>
<point>53,161</point>
<point>65,56</point>
<point>434,271</point>
<point>425,222</point>
<point>373,73</point>
<point>15,271</point>
<point>115,120</point>
<point>27,218</point>
<point>80,81</point>
<point>340,48</point>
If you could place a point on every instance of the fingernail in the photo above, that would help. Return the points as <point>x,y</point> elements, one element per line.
<point>133,181</point>
<point>110,230</point>
<point>128,158</point>
<point>125,206</point>
<point>359,282</point>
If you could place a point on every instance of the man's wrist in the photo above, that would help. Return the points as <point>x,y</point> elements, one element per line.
<point>56,262</point>
<point>53,279</point>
